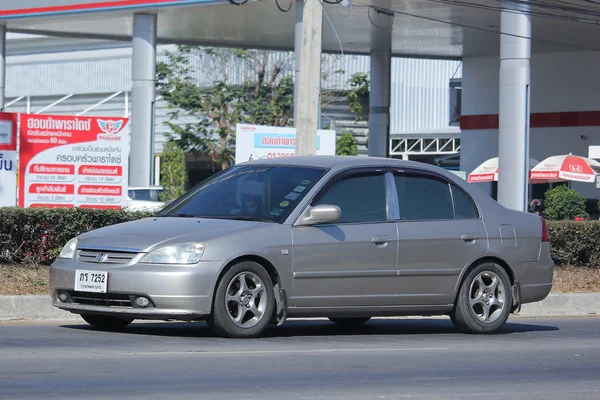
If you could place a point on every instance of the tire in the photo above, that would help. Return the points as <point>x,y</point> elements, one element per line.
<point>108,323</point>
<point>349,321</point>
<point>256,302</point>
<point>469,314</point>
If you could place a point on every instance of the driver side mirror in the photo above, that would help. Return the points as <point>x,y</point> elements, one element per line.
<point>320,214</point>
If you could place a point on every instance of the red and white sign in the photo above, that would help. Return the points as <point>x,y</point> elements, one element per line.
<point>488,171</point>
<point>8,160</point>
<point>566,168</point>
<point>73,161</point>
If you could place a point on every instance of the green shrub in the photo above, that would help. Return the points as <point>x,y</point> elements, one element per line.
<point>346,145</point>
<point>575,243</point>
<point>37,235</point>
<point>172,172</point>
<point>562,203</point>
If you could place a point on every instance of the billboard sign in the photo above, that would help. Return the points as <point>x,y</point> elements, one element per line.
<point>253,142</point>
<point>8,160</point>
<point>70,162</point>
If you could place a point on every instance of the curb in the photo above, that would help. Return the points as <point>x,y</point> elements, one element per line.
<point>32,308</point>
<point>568,304</point>
<point>39,308</point>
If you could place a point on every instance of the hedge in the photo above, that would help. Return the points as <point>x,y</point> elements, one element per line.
<point>37,235</point>
<point>575,243</point>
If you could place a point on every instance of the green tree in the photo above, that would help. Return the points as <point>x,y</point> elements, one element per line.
<point>172,171</point>
<point>346,145</point>
<point>359,84</point>
<point>208,116</point>
<point>203,119</point>
<point>564,203</point>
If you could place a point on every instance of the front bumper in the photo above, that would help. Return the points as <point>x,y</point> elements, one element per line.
<point>175,292</point>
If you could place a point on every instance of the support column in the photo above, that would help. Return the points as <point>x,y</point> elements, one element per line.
<point>380,80</point>
<point>310,79</point>
<point>513,134</point>
<point>143,96</point>
<point>2,66</point>
<point>297,55</point>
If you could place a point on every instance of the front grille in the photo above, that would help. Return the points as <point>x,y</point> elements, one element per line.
<point>101,299</point>
<point>105,257</point>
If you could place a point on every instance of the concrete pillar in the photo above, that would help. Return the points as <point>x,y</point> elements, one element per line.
<point>380,80</point>
<point>143,96</point>
<point>513,137</point>
<point>297,54</point>
<point>2,66</point>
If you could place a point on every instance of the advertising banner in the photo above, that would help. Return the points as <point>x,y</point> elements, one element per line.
<point>8,160</point>
<point>70,162</point>
<point>253,142</point>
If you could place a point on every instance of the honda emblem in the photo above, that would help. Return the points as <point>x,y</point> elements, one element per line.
<point>575,168</point>
<point>100,258</point>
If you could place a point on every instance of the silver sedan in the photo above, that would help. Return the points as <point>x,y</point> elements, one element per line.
<point>347,238</point>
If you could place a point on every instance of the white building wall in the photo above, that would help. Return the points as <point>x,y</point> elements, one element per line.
<point>561,82</point>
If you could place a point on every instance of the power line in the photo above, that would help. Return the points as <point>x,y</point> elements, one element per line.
<point>532,12</point>
<point>466,26</point>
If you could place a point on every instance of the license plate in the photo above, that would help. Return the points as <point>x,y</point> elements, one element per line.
<point>91,281</point>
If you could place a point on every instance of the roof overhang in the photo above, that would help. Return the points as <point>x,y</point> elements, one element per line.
<point>422,28</point>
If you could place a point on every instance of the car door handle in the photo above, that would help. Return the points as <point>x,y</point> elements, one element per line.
<point>381,239</point>
<point>467,237</point>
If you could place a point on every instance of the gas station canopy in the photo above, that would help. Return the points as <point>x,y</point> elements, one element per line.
<point>422,28</point>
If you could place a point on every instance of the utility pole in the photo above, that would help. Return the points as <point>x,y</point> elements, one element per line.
<point>310,79</point>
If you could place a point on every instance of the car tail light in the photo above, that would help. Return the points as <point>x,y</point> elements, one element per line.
<point>544,230</point>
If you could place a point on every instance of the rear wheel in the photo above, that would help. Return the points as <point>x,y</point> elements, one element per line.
<point>244,302</point>
<point>349,321</point>
<point>484,300</point>
<point>103,322</point>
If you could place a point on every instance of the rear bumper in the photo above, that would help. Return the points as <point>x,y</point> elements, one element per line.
<point>536,278</point>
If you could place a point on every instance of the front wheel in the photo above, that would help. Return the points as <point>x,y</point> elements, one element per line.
<point>109,323</point>
<point>484,300</point>
<point>244,302</point>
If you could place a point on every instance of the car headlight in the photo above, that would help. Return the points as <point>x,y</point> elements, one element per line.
<point>180,253</point>
<point>69,250</point>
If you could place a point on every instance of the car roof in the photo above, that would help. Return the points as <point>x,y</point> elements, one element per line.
<point>337,162</point>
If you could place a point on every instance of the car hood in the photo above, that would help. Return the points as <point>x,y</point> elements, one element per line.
<point>145,234</point>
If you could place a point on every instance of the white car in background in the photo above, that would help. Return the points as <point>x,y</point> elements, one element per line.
<point>144,198</point>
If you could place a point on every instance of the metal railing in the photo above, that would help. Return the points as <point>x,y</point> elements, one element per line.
<point>413,144</point>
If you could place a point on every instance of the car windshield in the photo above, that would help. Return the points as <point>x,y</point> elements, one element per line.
<point>253,193</point>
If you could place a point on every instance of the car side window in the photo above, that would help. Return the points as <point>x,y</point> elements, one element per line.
<point>463,205</point>
<point>362,198</point>
<point>423,198</point>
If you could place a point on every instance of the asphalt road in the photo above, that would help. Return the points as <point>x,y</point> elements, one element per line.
<point>386,359</point>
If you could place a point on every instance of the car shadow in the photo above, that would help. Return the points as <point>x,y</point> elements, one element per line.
<point>316,328</point>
